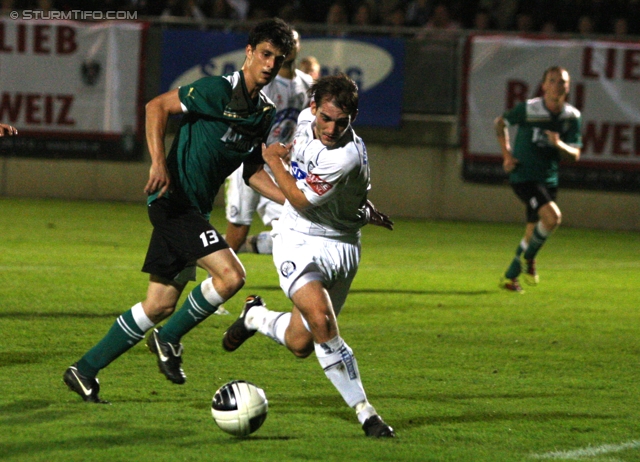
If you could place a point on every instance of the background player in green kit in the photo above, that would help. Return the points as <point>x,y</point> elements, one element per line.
<point>225,121</point>
<point>548,130</point>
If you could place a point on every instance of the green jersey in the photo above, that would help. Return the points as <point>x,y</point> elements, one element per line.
<point>221,128</point>
<point>537,159</point>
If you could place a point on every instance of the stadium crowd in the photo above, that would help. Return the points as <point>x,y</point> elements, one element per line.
<point>616,17</point>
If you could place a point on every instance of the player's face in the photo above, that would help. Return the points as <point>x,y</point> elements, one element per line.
<point>263,63</point>
<point>556,84</point>
<point>331,122</point>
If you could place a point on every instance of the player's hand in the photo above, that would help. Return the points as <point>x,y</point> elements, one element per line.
<point>553,137</point>
<point>377,218</point>
<point>275,150</point>
<point>509,163</point>
<point>158,180</point>
<point>8,130</point>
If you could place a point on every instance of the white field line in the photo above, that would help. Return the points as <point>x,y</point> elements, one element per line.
<point>591,451</point>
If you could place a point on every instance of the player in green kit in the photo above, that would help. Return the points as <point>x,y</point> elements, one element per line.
<point>225,121</point>
<point>548,130</point>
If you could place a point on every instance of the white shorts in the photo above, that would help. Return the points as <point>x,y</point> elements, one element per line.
<point>301,258</point>
<point>242,201</point>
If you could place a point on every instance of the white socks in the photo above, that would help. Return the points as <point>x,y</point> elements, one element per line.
<point>341,367</point>
<point>141,318</point>
<point>273,324</point>
<point>335,357</point>
<point>210,293</point>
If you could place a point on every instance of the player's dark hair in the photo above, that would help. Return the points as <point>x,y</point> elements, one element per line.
<point>275,31</point>
<point>337,88</point>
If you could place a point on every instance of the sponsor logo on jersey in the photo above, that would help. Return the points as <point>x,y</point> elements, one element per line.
<point>297,172</point>
<point>318,185</point>
<point>287,268</point>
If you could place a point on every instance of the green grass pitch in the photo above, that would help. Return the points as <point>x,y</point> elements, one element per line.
<point>461,369</point>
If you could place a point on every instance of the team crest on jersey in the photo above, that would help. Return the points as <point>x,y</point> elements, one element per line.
<point>287,268</point>
<point>318,185</point>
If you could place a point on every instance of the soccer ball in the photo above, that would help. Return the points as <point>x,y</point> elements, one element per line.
<point>239,407</point>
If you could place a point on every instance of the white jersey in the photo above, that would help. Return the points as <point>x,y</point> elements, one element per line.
<point>290,97</point>
<point>335,181</point>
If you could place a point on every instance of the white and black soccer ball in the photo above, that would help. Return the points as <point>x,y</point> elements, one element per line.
<point>239,407</point>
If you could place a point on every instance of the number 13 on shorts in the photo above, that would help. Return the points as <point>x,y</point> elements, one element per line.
<point>209,237</point>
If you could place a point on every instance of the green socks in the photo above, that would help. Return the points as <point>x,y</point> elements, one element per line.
<point>123,335</point>
<point>195,309</point>
<point>515,268</point>
<point>538,239</point>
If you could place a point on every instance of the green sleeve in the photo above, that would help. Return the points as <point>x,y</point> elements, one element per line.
<point>516,115</point>
<point>574,134</point>
<point>207,96</point>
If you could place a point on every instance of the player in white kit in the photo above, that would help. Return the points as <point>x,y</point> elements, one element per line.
<point>316,242</point>
<point>289,93</point>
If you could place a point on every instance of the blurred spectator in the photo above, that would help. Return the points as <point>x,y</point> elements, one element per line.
<point>503,12</point>
<point>632,13</point>
<point>186,8</point>
<point>601,14</point>
<point>586,25</point>
<point>441,19</point>
<point>6,7</point>
<point>364,15</point>
<point>142,7</point>
<point>45,5</point>
<point>240,8</point>
<point>417,12</point>
<point>549,26</point>
<point>311,66</point>
<point>337,16</point>
<point>620,27</point>
<point>258,13</point>
<point>219,9</point>
<point>290,12</point>
<point>395,18</point>
<point>482,20</point>
<point>524,22</point>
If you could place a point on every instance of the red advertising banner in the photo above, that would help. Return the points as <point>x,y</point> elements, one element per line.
<point>501,71</point>
<point>72,89</point>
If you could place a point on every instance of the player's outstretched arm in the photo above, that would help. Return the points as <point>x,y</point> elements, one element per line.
<point>9,130</point>
<point>157,115</point>
<point>273,156</point>
<point>375,217</point>
<point>261,182</point>
<point>502,134</point>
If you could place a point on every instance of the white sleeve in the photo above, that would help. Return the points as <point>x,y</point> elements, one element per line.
<point>330,170</point>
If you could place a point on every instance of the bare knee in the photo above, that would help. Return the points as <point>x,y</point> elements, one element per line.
<point>301,353</point>
<point>156,311</point>
<point>229,282</point>
<point>323,327</point>
<point>552,220</point>
<point>550,216</point>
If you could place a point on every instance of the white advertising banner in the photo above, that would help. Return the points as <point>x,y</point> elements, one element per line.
<point>70,80</point>
<point>501,71</point>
